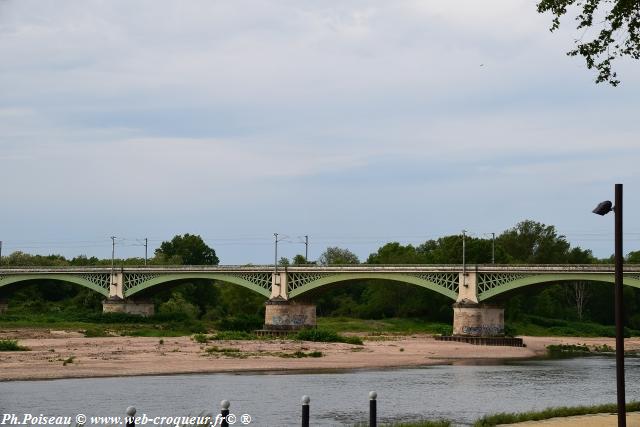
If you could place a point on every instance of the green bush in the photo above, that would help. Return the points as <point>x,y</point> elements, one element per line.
<point>11,345</point>
<point>243,322</point>
<point>95,333</point>
<point>321,335</point>
<point>178,305</point>
<point>567,350</point>
<point>201,338</point>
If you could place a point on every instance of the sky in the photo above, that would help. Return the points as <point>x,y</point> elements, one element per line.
<point>355,123</point>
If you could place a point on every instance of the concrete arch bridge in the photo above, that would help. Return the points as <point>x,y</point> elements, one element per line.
<point>469,287</point>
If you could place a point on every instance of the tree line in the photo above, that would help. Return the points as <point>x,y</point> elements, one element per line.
<point>528,242</point>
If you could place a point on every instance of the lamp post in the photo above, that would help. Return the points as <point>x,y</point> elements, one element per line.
<point>275,258</point>
<point>113,260</point>
<point>464,258</point>
<point>493,248</point>
<point>603,209</point>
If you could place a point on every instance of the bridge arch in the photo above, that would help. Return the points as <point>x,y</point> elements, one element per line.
<point>97,283</point>
<point>260,283</point>
<point>493,286</point>
<point>442,283</point>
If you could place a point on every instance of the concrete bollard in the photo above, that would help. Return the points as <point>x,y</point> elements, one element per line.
<point>305,410</point>
<point>131,412</point>
<point>373,410</point>
<point>224,412</point>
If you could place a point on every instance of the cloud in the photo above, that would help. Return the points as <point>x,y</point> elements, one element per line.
<point>340,115</point>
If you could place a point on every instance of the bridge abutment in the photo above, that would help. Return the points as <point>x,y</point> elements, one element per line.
<point>118,305</point>
<point>477,320</point>
<point>4,306</point>
<point>286,315</point>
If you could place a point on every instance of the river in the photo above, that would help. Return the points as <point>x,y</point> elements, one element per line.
<point>461,393</point>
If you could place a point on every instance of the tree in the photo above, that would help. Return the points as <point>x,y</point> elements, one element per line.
<point>578,292</point>
<point>395,253</point>
<point>284,261</point>
<point>633,257</point>
<point>335,255</point>
<point>300,260</point>
<point>618,35</point>
<point>448,250</point>
<point>532,242</point>
<point>190,249</point>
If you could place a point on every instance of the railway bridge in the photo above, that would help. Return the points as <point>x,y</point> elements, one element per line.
<point>471,288</point>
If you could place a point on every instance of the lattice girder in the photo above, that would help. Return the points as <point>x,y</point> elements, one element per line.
<point>259,282</point>
<point>131,280</point>
<point>492,284</point>
<point>445,283</point>
<point>98,282</point>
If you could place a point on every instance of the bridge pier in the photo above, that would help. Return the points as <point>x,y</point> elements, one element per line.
<point>4,306</point>
<point>285,315</point>
<point>477,320</point>
<point>471,318</point>
<point>118,305</point>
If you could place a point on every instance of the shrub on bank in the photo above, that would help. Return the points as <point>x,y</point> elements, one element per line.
<point>243,322</point>
<point>321,335</point>
<point>12,345</point>
<point>95,333</point>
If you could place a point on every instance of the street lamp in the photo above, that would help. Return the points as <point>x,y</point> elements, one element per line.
<point>603,209</point>
<point>464,260</point>
<point>275,258</point>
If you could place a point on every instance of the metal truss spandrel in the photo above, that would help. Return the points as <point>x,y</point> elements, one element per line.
<point>448,281</point>
<point>297,280</point>
<point>488,281</point>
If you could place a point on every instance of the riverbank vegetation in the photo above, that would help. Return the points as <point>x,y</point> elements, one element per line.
<point>366,306</point>
<point>564,411</point>
<point>514,418</point>
<point>12,345</point>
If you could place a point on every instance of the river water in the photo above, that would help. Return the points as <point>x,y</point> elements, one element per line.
<point>459,393</point>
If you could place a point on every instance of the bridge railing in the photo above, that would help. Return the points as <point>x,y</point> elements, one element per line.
<point>353,268</point>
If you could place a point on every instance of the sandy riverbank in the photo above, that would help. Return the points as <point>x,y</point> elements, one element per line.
<point>595,420</point>
<point>117,356</point>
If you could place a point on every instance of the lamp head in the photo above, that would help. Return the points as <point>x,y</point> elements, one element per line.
<point>603,208</point>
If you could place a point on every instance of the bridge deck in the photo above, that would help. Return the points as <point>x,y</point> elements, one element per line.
<point>481,268</point>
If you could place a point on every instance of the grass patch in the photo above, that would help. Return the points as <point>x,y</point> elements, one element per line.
<point>405,326</point>
<point>564,350</point>
<point>95,333</point>
<point>68,360</point>
<point>300,354</point>
<point>226,351</point>
<point>570,350</point>
<point>323,335</point>
<point>119,323</point>
<point>200,338</point>
<point>542,326</point>
<point>234,335</point>
<point>565,411</point>
<point>12,345</point>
